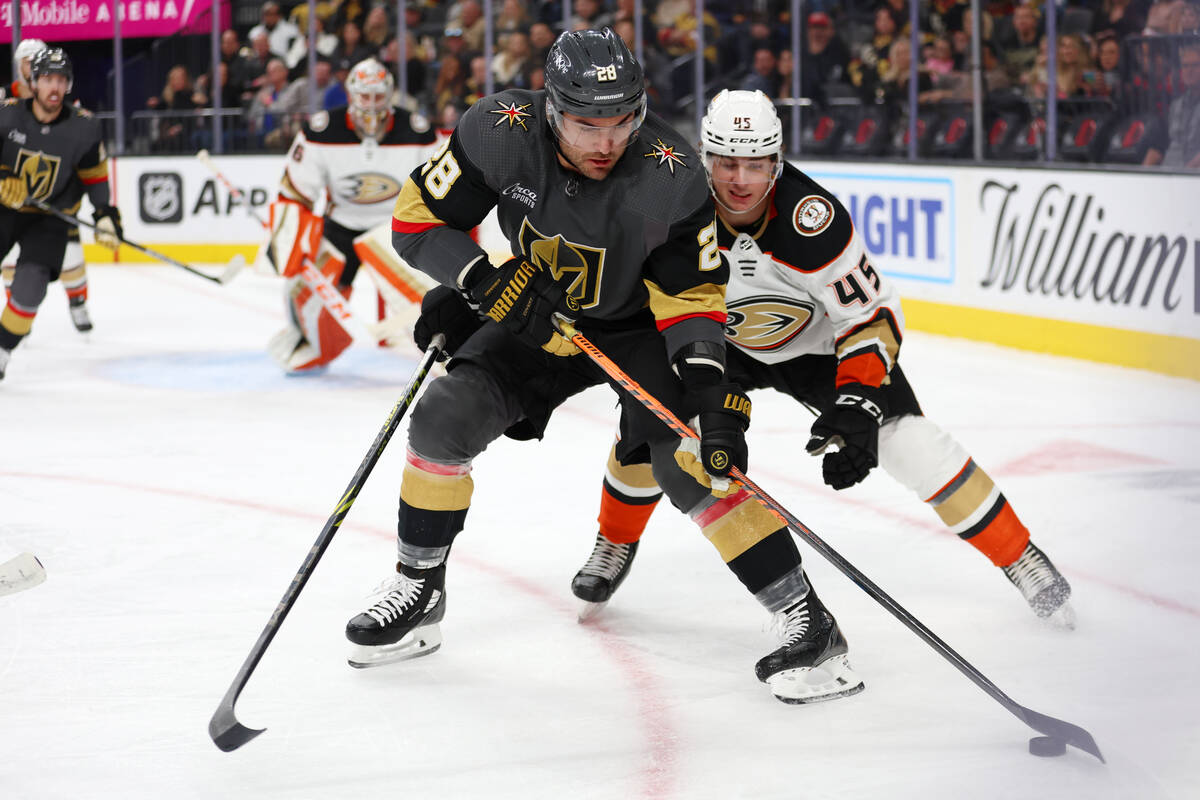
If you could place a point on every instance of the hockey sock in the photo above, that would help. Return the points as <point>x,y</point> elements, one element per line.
<point>434,499</point>
<point>75,281</point>
<point>627,499</point>
<point>973,508</point>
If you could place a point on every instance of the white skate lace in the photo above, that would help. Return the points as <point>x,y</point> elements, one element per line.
<point>1031,573</point>
<point>403,593</point>
<point>606,559</point>
<point>791,625</point>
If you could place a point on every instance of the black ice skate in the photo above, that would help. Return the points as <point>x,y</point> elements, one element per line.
<point>604,571</point>
<point>403,624</point>
<point>812,664</point>
<point>1044,587</point>
<point>80,316</point>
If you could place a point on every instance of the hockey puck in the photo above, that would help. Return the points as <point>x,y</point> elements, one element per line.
<point>1047,746</point>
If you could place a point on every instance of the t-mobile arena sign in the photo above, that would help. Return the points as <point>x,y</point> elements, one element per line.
<point>60,20</point>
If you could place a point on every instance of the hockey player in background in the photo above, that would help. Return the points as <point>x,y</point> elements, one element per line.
<point>609,218</point>
<point>55,153</point>
<point>812,317</point>
<point>74,269</point>
<point>334,212</point>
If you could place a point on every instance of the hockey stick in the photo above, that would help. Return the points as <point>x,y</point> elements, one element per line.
<point>22,572</point>
<point>337,306</point>
<point>1049,726</point>
<point>226,732</point>
<point>231,271</point>
<point>234,192</point>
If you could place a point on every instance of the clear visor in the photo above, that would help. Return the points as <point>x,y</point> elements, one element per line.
<point>597,138</point>
<point>748,172</point>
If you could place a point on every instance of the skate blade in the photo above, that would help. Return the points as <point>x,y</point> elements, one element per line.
<point>830,679</point>
<point>419,642</point>
<point>1062,618</point>
<point>587,609</point>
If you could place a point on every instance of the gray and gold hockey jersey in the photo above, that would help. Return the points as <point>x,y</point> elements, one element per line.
<point>644,236</point>
<point>59,159</point>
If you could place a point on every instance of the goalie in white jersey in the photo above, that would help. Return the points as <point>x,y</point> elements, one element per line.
<point>334,210</point>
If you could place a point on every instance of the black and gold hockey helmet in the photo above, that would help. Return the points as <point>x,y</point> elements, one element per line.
<point>594,74</point>
<point>51,61</point>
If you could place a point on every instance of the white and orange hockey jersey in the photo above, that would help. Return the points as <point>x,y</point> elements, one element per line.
<point>801,283</point>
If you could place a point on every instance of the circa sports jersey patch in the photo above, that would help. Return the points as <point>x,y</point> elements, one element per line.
<point>813,215</point>
<point>512,113</point>
<point>665,155</point>
<point>766,322</point>
<point>366,188</point>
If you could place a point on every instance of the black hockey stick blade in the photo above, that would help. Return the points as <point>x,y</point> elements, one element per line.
<point>1059,729</point>
<point>224,729</point>
<point>227,733</point>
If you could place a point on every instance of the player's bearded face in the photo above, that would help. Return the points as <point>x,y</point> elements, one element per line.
<point>50,91</point>
<point>740,184</point>
<point>594,145</point>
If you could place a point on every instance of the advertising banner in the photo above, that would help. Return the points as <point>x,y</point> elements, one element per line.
<point>177,200</point>
<point>61,20</point>
<point>1111,249</point>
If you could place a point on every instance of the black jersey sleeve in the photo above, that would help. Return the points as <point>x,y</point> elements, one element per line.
<point>686,277</point>
<point>442,200</point>
<point>92,168</point>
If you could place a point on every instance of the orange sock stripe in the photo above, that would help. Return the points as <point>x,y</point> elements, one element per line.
<point>1000,535</point>
<point>621,521</point>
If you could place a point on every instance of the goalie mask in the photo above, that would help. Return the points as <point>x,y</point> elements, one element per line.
<point>741,140</point>
<point>369,88</point>
<point>593,74</point>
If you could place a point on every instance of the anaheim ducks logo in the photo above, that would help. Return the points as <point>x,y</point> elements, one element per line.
<point>765,323</point>
<point>366,188</point>
<point>576,266</point>
<point>39,171</point>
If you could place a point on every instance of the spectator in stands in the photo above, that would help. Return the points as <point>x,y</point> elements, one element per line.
<point>1162,15</point>
<point>1076,78</point>
<point>415,70</point>
<point>451,83</point>
<point>349,11</point>
<point>1111,71</point>
<point>512,16</point>
<point>274,114</point>
<point>764,74</point>
<point>1185,20</point>
<point>825,57</point>
<point>946,16</point>
<point>324,81</point>
<point>1182,146</point>
<point>870,61</point>
<point>784,65</point>
<point>511,65</point>
<point>351,45</point>
<point>893,89</point>
<point>1019,49</point>
<point>230,94</point>
<point>177,95</point>
<point>541,38</point>
<point>253,67</point>
<point>941,61</point>
<point>476,81</point>
<point>537,79</point>
<point>326,42</point>
<point>375,30</point>
<point>1122,17</point>
<point>280,32</point>
<point>454,46</point>
<point>589,15</point>
<point>470,21</point>
<point>336,95</point>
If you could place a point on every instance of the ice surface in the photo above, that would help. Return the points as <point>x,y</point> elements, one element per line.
<point>172,480</point>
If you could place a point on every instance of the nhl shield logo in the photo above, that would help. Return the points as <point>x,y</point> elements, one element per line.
<point>160,197</point>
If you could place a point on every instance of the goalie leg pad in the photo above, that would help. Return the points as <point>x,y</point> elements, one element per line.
<point>322,337</point>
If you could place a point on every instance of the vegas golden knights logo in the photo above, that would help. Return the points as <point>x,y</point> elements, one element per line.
<point>765,323</point>
<point>39,171</point>
<point>576,266</point>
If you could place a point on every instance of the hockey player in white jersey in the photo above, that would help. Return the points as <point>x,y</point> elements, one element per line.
<point>811,316</point>
<point>334,210</point>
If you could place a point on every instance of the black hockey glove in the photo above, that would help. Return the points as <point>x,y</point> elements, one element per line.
<point>108,227</point>
<point>523,298</point>
<point>722,413</point>
<point>445,311</point>
<point>852,426</point>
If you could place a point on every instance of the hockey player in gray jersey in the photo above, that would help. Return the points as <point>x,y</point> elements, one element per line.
<point>53,152</point>
<point>609,219</point>
<point>811,316</point>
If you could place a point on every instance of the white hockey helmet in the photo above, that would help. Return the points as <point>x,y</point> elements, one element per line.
<point>28,48</point>
<point>741,124</point>
<point>369,87</point>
